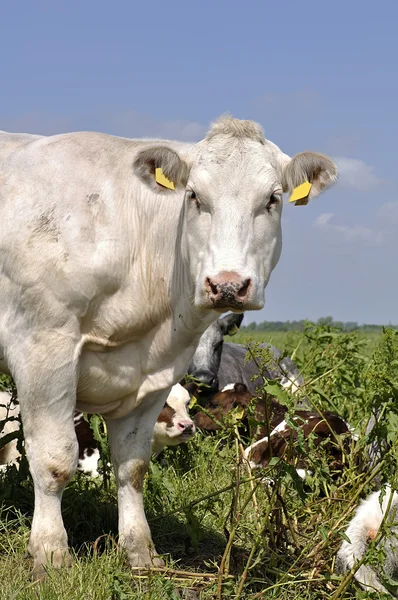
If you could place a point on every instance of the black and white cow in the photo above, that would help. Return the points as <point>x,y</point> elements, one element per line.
<point>216,363</point>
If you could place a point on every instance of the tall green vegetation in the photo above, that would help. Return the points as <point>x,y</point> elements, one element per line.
<point>277,326</point>
<point>225,532</point>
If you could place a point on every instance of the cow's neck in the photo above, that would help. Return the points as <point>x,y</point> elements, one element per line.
<point>155,296</point>
<point>146,329</point>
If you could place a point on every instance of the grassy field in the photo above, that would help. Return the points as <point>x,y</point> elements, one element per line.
<point>292,340</point>
<point>223,533</point>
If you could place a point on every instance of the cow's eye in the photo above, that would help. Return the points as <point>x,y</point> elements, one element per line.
<point>274,199</point>
<point>192,196</point>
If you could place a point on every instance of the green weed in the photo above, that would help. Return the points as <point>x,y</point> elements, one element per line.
<point>224,533</point>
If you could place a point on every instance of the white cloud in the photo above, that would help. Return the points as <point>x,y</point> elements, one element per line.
<point>323,219</point>
<point>135,124</point>
<point>349,233</point>
<point>356,174</point>
<point>38,123</point>
<point>185,130</point>
<point>127,124</point>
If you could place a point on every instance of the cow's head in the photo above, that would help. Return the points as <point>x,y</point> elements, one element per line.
<point>205,363</point>
<point>233,182</point>
<point>174,425</point>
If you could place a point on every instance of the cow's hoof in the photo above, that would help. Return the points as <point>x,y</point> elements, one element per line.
<point>56,559</point>
<point>39,573</point>
<point>157,561</point>
<point>147,561</point>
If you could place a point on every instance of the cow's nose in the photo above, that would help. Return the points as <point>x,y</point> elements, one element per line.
<point>228,289</point>
<point>186,426</point>
<point>207,378</point>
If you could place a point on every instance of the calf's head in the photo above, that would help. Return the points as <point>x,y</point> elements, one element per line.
<point>233,182</point>
<point>174,425</point>
<point>232,396</point>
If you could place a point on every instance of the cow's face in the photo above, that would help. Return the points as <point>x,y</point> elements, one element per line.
<point>233,212</point>
<point>205,363</point>
<point>174,425</point>
<point>234,181</point>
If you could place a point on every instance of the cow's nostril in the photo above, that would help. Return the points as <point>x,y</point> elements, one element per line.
<point>185,426</point>
<point>244,289</point>
<point>213,286</point>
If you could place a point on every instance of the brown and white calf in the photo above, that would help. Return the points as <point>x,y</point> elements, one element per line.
<point>174,426</point>
<point>274,436</point>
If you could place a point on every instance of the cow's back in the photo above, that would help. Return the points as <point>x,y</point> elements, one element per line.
<point>233,367</point>
<point>86,246</point>
<point>63,201</point>
<point>12,142</point>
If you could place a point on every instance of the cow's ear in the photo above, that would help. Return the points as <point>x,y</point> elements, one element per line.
<point>204,421</point>
<point>161,168</point>
<point>316,169</point>
<point>192,388</point>
<point>230,324</point>
<point>241,388</point>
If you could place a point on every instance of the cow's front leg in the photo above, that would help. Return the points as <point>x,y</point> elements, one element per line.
<point>130,444</point>
<point>46,383</point>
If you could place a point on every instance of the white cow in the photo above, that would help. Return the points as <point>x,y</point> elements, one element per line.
<point>108,278</point>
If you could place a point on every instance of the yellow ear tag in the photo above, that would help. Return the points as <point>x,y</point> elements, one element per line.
<point>239,413</point>
<point>300,194</point>
<point>161,179</point>
<point>192,402</point>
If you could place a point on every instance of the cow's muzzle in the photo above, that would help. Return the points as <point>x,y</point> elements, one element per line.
<point>228,290</point>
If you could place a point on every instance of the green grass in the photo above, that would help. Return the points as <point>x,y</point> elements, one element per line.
<point>290,339</point>
<point>209,517</point>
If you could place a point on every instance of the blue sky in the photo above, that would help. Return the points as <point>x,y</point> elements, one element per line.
<point>318,76</point>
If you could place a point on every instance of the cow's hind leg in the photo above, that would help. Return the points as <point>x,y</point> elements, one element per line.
<point>130,444</point>
<point>47,391</point>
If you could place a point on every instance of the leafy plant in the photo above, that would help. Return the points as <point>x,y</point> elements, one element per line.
<point>233,532</point>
